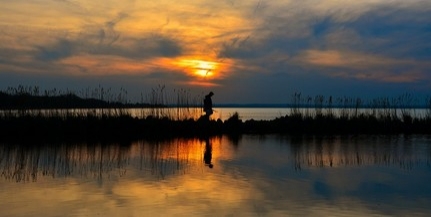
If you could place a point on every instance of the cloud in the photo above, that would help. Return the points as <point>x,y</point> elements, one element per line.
<point>346,59</point>
<point>147,47</point>
<point>290,28</point>
<point>252,41</point>
<point>364,66</point>
<point>107,41</point>
<point>60,49</point>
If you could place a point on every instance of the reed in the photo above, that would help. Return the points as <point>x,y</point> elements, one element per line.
<point>178,104</point>
<point>176,113</point>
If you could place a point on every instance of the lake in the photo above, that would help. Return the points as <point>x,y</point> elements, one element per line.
<point>248,175</point>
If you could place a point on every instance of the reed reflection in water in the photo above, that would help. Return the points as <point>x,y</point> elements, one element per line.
<point>246,176</point>
<point>23,163</point>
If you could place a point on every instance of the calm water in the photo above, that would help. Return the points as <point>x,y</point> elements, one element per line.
<point>250,176</point>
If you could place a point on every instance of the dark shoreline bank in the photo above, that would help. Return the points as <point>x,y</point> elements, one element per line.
<point>28,128</point>
<point>100,114</point>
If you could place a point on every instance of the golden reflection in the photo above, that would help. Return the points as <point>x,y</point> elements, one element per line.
<point>159,158</point>
<point>188,151</point>
<point>148,176</point>
<point>180,156</point>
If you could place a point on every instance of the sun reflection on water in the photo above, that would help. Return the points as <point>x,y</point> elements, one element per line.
<point>254,175</point>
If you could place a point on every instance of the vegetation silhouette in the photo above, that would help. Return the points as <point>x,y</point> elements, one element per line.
<point>26,114</point>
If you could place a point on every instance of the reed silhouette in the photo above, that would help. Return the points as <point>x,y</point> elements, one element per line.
<point>26,113</point>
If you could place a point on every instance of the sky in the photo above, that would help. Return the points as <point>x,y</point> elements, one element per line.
<point>252,51</point>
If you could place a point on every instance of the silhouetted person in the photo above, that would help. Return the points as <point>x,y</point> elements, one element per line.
<point>208,105</point>
<point>208,153</point>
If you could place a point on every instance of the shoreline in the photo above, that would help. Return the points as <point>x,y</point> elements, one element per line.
<point>126,127</point>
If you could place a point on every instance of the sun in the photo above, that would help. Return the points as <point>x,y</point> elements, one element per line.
<point>202,71</point>
<point>204,68</point>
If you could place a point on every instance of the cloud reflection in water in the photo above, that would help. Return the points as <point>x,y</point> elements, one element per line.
<point>255,175</point>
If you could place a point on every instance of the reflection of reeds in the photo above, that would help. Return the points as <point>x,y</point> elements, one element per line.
<point>159,158</point>
<point>24,163</point>
<point>317,151</point>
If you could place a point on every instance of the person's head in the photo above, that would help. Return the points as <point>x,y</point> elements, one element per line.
<point>211,93</point>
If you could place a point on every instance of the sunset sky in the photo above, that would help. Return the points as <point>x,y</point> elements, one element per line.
<point>244,51</point>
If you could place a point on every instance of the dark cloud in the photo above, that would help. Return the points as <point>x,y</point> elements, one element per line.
<point>108,35</point>
<point>9,55</point>
<point>160,46</point>
<point>240,48</point>
<point>389,31</point>
<point>143,48</point>
<point>150,47</point>
<point>255,48</point>
<point>322,27</point>
<point>60,49</point>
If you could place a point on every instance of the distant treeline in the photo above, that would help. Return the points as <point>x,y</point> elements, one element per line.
<point>25,101</point>
<point>31,97</point>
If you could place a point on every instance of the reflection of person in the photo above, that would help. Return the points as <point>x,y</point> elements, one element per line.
<point>208,153</point>
<point>208,105</point>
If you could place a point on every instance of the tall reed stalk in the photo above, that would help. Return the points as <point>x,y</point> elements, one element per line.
<point>401,108</point>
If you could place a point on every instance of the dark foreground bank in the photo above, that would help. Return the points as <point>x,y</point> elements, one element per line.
<point>127,127</point>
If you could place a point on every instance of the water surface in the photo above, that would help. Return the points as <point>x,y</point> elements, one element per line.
<point>220,176</point>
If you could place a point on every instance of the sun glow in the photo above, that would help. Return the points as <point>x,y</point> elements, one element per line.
<point>199,68</point>
<point>202,71</point>
<point>205,69</point>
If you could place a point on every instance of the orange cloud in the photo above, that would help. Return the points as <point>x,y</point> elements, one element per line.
<point>363,66</point>
<point>385,76</point>
<point>107,65</point>
<point>335,58</point>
